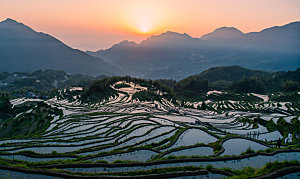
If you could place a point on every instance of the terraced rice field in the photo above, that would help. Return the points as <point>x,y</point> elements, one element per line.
<point>153,135</point>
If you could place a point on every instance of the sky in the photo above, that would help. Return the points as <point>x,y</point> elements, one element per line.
<point>99,24</point>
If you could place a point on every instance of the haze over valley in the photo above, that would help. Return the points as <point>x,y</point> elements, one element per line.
<point>174,55</point>
<point>168,55</point>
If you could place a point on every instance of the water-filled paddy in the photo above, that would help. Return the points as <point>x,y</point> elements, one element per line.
<point>196,151</point>
<point>256,162</point>
<point>237,146</point>
<point>139,155</point>
<point>191,137</point>
<point>109,129</point>
<point>20,175</point>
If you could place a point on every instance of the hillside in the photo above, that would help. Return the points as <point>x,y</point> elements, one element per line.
<point>230,73</point>
<point>28,120</point>
<point>40,84</point>
<point>239,79</point>
<point>234,79</point>
<point>22,49</point>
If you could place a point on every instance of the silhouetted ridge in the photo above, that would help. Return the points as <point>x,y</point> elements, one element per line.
<point>10,24</point>
<point>166,38</point>
<point>125,43</point>
<point>23,49</point>
<point>223,33</point>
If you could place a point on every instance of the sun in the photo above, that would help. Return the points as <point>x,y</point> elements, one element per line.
<point>144,27</point>
<point>144,21</point>
<point>144,17</point>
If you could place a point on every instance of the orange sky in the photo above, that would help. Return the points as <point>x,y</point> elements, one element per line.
<point>97,24</point>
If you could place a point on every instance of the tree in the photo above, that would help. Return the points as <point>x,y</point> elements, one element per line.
<point>251,84</point>
<point>5,105</point>
<point>290,86</point>
<point>203,106</point>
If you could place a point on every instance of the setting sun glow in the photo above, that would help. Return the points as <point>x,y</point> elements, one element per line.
<point>144,27</point>
<point>102,23</point>
<point>144,23</point>
<point>144,18</point>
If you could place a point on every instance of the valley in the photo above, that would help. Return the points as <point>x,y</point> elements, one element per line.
<point>125,134</point>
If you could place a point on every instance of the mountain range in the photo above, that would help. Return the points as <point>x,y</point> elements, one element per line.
<point>22,50</point>
<point>167,55</point>
<point>174,55</point>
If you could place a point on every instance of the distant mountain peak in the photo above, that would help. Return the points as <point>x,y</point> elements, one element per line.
<point>10,20</point>
<point>14,25</point>
<point>170,34</point>
<point>166,37</point>
<point>126,43</point>
<point>223,33</point>
<point>225,28</point>
<point>122,44</point>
